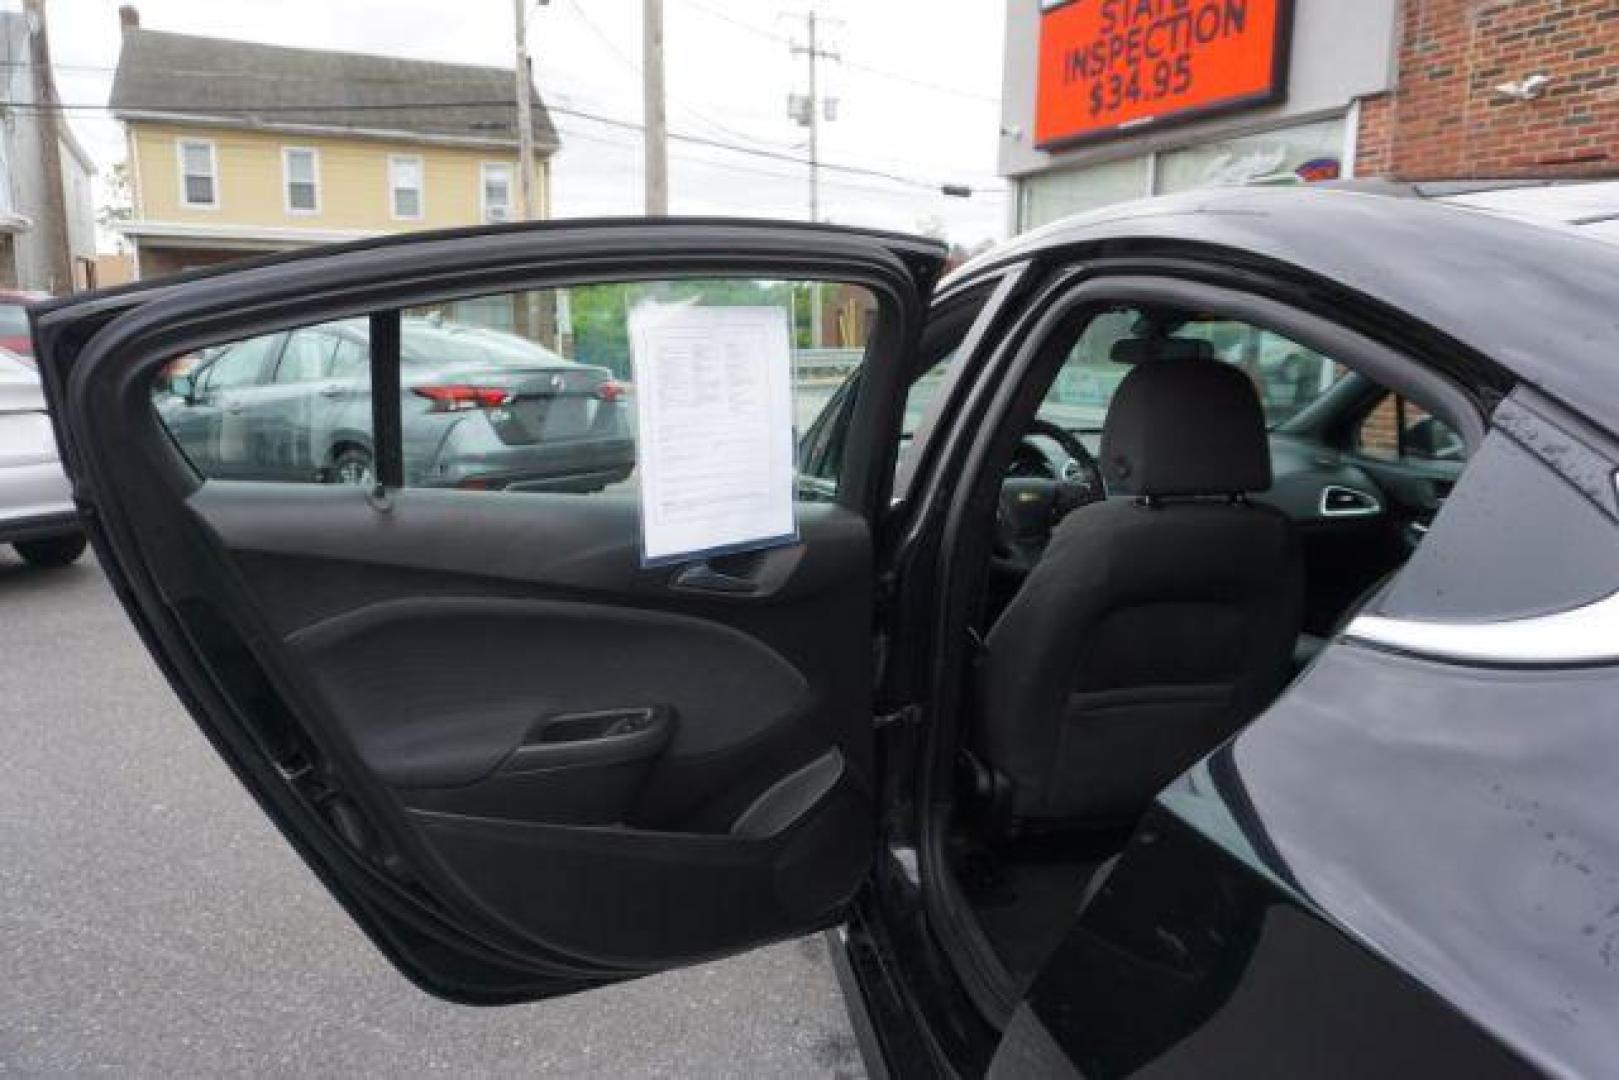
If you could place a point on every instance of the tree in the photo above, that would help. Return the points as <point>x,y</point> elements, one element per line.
<point>601,312</point>
<point>119,205</point>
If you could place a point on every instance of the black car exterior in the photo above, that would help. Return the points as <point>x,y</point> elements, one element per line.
<point>1407,864</point>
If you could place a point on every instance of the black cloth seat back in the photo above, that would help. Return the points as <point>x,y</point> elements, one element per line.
<point>1156,623</point>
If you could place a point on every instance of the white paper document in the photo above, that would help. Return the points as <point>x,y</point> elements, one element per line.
<point>714,411</point>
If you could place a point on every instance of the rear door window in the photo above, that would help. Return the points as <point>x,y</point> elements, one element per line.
<point>514,392</point>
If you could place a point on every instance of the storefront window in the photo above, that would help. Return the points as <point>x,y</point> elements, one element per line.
<point>1269,155</point>
<point>1050,196</point>
<point>1310,151</point>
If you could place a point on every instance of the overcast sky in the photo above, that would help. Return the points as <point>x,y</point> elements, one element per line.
<point>918,88</point>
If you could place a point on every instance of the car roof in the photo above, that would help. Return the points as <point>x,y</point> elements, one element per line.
<point>1590,206</point>
<point>1536,296</point>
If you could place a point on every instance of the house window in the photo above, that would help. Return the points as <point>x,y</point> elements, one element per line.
<point>405,186</point>
<point>497,191</point>
<point>301,169</point>
<point>199,173</point>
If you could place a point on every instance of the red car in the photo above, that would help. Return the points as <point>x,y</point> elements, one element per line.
<point>14,321</point>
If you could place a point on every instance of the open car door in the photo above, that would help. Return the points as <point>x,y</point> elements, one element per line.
<point>525,759</point>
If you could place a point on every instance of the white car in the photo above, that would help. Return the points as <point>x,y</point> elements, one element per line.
<point>36,505</point>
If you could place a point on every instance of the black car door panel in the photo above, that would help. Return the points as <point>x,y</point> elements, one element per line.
<point>522,759</point>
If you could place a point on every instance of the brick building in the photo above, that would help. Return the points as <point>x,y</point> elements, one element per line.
<point>1108,100</point>
<point>1447,116</point>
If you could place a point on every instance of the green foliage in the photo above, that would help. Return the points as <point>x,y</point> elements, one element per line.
<point>601,312</point>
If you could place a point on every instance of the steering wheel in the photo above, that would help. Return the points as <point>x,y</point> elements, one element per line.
<point>1031,506</point>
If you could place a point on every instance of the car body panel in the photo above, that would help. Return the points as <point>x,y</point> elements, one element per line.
<point>1445,266</point>
<point>35,497</point>
<point>14,336</point>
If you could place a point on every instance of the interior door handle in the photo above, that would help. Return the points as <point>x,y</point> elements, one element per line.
<point>701,577</point>
<point>593,739</point>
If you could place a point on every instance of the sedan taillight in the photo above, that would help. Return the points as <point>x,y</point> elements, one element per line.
<point>611,390</point>
<point>459,397</point>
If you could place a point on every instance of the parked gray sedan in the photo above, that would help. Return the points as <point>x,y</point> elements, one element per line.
<point>36,505</point>
<point>481,409</point>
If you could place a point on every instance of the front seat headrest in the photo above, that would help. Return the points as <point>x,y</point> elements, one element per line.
<point>1185,427</point>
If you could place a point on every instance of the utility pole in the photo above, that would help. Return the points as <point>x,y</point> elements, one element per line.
<point>53,229</point>
<point>525,117</point>
<point>657,121</point>
<point>814,126</point>
<point>807,110</point>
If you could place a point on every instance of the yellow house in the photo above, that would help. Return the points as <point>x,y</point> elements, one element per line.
<point>237,148</point>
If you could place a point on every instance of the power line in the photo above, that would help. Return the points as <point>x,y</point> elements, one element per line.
<point>420,81</point>
<point>623,58</point>
<point>870,69</point>
<point>271,76</point>
<point>506,103</point>
<point>631,147</point>
<point>754,151</point>
<point>697,5</point>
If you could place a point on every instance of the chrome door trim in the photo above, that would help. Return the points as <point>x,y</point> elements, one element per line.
<point>1588,634</point>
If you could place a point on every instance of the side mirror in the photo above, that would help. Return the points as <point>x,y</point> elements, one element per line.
<point>181,386</point>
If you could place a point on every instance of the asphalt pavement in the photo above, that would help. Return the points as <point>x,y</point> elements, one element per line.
<point>152,922</point>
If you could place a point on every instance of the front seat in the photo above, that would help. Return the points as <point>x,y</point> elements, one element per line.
<point>1157,622</point>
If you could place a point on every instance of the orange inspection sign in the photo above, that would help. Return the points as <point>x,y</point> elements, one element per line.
<point>1107,65</point>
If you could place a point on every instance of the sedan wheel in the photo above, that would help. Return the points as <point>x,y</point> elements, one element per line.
<point>353,466</point>
<point>54,551</point>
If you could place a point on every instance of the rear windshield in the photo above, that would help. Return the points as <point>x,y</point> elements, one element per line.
<point>423,342</point>
<point>13,320</point>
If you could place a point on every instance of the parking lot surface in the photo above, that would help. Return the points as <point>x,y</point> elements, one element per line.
<point>152,922</point>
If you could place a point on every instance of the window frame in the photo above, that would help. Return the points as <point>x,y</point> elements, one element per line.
<point>393,189</point>
<point>180,146</point>
<point>485,168</point>
<point>286,180</point>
